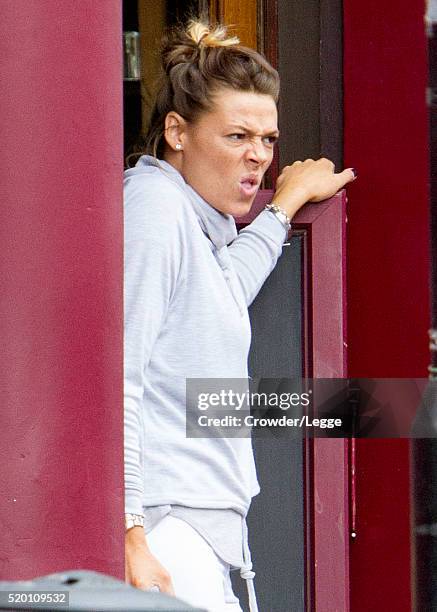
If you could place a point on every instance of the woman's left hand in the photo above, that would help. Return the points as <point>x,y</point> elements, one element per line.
<point>309,181</point>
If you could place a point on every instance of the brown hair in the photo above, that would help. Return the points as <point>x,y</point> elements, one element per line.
<point>197,61</point>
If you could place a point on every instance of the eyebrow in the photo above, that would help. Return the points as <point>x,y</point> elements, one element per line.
<point>249,131</point>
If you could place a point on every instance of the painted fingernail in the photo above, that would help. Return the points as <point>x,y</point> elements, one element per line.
<point>355,172</point>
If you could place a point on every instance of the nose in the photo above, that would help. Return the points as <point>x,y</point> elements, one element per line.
<point>257,152</point>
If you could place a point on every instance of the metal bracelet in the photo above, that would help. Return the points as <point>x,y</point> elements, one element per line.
<point>280,214</point>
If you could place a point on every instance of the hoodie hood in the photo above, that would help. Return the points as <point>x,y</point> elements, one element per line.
<point>217,226</point>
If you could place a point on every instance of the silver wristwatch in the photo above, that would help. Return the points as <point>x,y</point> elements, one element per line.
<point>133,520</point>
<point>280,214</point>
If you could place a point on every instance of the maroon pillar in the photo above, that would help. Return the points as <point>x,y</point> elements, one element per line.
<point>61,290</point>
<point>386,139</point>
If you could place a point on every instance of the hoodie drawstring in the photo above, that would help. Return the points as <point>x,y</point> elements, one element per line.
<point>246,570</point>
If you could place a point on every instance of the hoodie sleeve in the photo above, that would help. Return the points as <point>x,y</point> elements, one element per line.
<point>255,251</point>
<point>152,262</point>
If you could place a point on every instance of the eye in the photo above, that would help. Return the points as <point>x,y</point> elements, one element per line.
<point>270,140</point>
<point>237,136</point>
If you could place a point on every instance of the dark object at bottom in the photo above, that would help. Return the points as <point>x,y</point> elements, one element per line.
<point>88,591</point>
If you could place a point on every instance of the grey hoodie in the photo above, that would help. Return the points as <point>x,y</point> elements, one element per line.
<point>189,279</point>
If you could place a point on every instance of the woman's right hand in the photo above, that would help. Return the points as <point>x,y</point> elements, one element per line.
<point>309,181</point>
<point>142,569</point>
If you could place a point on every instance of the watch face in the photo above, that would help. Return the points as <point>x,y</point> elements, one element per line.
<point>133,520</point>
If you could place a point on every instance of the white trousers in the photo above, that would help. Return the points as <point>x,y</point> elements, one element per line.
<point>199,576</point>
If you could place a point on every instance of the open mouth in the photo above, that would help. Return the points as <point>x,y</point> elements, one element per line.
<point>249,185</point>
<point>250,180</point>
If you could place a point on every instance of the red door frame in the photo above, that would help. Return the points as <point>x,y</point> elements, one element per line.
<point>326,461</point>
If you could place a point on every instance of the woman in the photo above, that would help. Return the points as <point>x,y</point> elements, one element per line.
<point>188,282</point>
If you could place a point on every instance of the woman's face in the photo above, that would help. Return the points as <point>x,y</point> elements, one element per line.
<point>226,152</point>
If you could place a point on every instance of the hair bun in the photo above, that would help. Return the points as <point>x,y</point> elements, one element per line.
<point>207,36</point>
<point>182,46</point>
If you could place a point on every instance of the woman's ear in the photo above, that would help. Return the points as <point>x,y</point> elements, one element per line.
<point>174,131</point>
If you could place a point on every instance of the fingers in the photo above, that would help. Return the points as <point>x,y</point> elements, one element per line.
<point>160,582</point>
<point>327,162</point>
<point>165,584</point>
<point>143,570</point>
<point>322,161</point>
<point>168,588</point>
<point>316,179</point>
<point>347,176</point>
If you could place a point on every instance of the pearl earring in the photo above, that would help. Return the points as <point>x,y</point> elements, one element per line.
<point>178,147</point>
